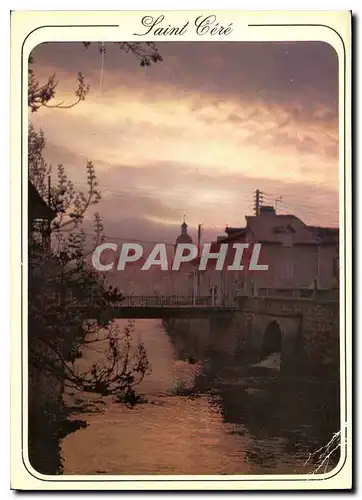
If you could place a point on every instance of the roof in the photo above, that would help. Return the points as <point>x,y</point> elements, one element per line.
<point>184,238</point>
<point>38,209</point>
<point>326,234</point>
<point>268,227</point>
<point>233,233</point>
<point>234,230</point>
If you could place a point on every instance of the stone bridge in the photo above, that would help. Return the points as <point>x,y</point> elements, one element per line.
<point>308,329</point>
<point>304,331</point>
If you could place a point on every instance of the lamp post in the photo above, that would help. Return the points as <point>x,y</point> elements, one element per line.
<point>194,287</point>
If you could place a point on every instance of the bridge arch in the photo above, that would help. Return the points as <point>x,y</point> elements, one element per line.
<point>272,340</point>
<point>268,334</point>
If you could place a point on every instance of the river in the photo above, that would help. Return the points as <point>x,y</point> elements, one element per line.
<point>199,421</point>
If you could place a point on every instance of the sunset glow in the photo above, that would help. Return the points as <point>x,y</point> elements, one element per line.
<point>199,132</point>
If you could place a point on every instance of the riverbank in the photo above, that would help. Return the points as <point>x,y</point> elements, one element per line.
<point>200,420</point>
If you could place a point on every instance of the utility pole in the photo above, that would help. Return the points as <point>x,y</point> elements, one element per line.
<point>194,288</point>
<point>199,232</point>
<point>277,200</point>
<point>258,201</point>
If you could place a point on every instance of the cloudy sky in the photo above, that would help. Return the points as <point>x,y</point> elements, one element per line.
<point>197,133</point>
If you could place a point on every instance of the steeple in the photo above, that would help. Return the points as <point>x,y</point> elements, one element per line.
<point>184,237</point>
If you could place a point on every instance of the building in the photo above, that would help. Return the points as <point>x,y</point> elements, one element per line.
<point>44,387</point>
<point>154,281</point>
<point>181,282</point>
<point>40,216</point>
<point>184,236</point>
<point>299,257</point>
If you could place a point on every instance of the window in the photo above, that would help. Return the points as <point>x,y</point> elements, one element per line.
<point>287,270</point>
<point>287,239</point>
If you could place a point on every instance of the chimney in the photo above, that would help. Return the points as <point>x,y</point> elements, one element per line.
<point>266,209</point>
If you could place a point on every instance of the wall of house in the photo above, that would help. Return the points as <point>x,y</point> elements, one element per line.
<point>328,266</point>
<point>292,267</point>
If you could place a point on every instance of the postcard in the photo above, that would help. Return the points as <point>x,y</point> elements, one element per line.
<point>181,250</point>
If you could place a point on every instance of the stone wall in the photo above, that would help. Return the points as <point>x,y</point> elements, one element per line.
<point>309,331</point>
<point>310,328</point>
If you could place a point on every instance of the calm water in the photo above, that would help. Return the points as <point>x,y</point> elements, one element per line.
<point>229,422</point>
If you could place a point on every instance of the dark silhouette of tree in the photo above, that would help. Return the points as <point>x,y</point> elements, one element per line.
<point>146,52</point>
<point>43,94</point>
<point>70,304</point>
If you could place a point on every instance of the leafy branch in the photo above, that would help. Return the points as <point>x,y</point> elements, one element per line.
<point>42,94</point>
<point>146,52</point>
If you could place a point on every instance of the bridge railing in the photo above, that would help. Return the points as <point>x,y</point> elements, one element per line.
<point>167,301</point>
<point>303,293</point>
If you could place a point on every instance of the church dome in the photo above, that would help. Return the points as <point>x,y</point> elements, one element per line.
<point>184,237</point>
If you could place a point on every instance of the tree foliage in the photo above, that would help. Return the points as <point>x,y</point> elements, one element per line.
<point>43,94</point>
<point>70,304</point>
<point>146,52</point>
